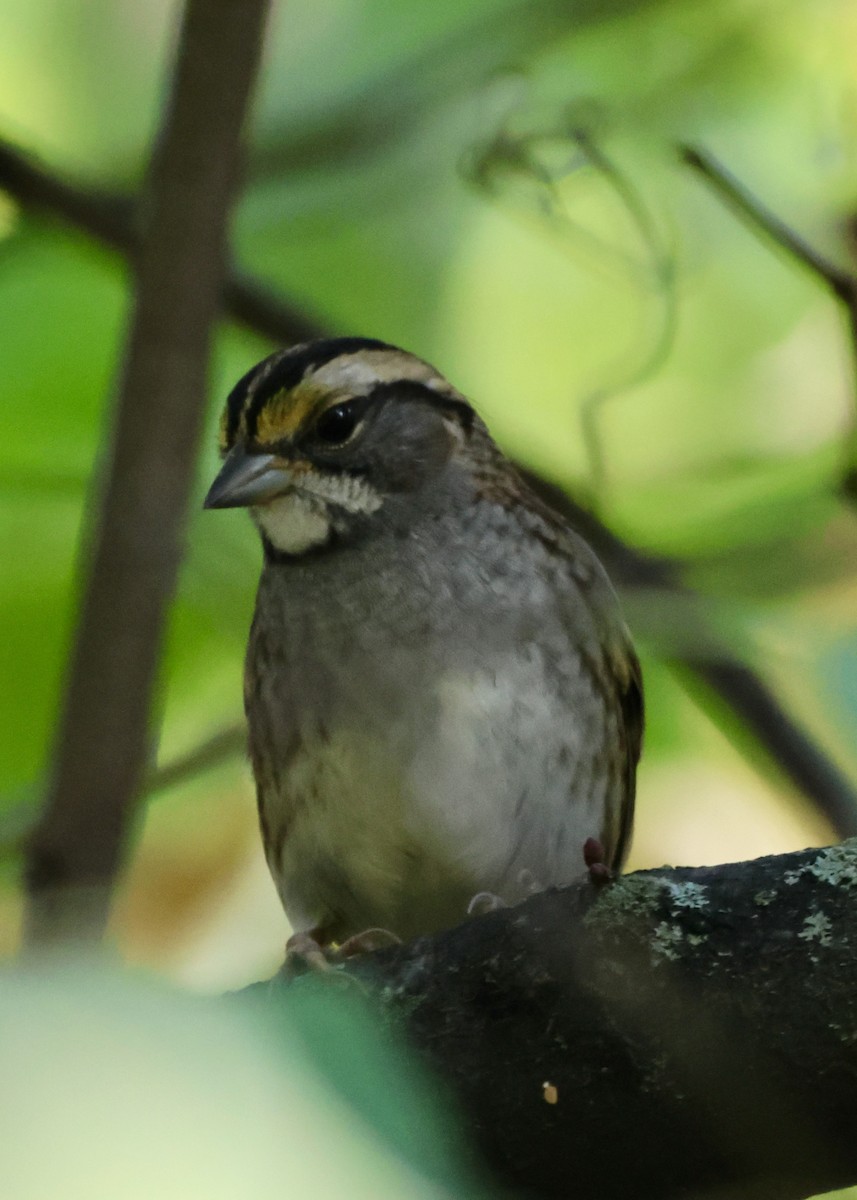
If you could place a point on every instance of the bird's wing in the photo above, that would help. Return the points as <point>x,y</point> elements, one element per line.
<point>629,698</point>
<point>614,667</point>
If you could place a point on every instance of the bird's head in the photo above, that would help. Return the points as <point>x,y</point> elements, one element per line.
<point>319,438</point>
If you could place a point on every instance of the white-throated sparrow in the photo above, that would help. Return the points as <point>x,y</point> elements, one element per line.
<point>441,693</point>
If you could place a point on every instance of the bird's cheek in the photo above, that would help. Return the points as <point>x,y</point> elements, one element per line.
<point>422,452</point>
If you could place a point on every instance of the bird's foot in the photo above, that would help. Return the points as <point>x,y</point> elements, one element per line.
<point>307,954</point>
<point>366,942</point>
<point>485,902</point>
<point>528,882</point>
<point>311,954</point>
<point>595,856</point>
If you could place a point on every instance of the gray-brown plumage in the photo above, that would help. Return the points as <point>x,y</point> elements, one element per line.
<point>441,694</point>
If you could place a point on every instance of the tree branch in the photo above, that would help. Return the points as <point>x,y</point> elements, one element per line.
<point>688,1032</point>
<point>102,747</point>
<point>112,220</point>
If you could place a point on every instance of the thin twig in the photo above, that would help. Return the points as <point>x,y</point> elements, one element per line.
<point>841,283</point>
<point>662,267</point>
<point>102,743</point>
<point>227,743</point>
<point>20,815</point>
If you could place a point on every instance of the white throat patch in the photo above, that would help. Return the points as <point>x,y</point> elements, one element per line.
<point>294,523</point>
<point>301,519</point>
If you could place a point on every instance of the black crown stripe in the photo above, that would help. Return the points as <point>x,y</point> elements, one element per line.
<point>294,364</point>
<point>235,400</point>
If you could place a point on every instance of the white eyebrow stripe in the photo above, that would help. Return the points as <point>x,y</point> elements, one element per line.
<point>359,373</point>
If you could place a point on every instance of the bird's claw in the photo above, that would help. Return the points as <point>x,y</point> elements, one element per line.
<point>366,942</point>
<point>594,856</point>
<point>485,902</point>
<point>306,955</point>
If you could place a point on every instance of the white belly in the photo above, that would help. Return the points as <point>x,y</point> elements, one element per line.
<point>481,785</point>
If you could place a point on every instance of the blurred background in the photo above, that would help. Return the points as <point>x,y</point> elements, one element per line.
<point>496,186</point>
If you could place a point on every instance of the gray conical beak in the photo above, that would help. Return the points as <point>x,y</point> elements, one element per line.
<point>247,479</point>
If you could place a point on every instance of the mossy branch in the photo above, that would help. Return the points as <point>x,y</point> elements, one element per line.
<point>684,1032</point>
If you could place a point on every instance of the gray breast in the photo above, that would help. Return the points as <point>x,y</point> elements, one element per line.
<point>426,723</point>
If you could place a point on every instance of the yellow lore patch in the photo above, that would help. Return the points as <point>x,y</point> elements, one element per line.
<point>287,412</point>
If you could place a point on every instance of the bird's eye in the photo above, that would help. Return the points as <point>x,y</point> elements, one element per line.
<point>337,424</point>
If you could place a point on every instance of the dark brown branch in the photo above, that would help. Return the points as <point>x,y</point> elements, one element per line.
<point>101,750</point>
<point>112,220</point>
<point>107,219</point>
<point>257,308</point>
<point>697,1029</point>
<point>802,762</point>
<point>738,686</point>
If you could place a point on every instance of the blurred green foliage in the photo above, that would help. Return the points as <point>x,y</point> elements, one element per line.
<point>421,173</point>
<point>111,1089</point>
